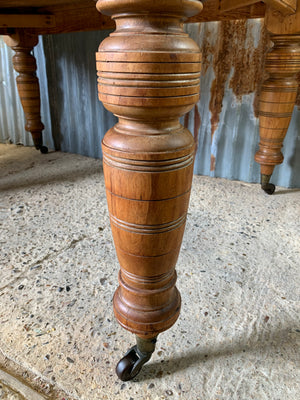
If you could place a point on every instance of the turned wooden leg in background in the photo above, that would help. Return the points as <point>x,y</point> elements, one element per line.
<point>278,97</point>
<point>149,72</point>
<point>28,84</point>
<point>279,91</point>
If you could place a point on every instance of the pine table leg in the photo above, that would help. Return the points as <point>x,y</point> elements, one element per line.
<point>279,91</point>
<point>278,97</point>
<point>149,72</point>
<point>28,84</point>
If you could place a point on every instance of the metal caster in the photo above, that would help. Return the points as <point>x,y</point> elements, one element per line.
<point>266,186</point>
<point>131,364</point>
<point>38,144</point>
<point>44,149</point>
<point>269,188</point>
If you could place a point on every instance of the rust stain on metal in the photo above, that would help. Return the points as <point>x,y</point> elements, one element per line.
<point>212,162</point>
<point>248,66</point>
<point>207,50</point>
<point>235,52</point>
<point>228,34</point>
<point>248,70</point>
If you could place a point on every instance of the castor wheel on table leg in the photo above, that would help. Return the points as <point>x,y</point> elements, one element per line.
<point>131,364</point>
<point>149,76</point>
<point>38,144</point>
<point>269,188</point>
<point>266,186</point>
<point>44,149</point>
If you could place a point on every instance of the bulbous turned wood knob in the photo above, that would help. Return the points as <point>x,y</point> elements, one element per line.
<point>148,66</point>
<point>149,75</point>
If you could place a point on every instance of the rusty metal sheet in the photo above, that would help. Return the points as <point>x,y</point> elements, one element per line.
<point>228,136</point>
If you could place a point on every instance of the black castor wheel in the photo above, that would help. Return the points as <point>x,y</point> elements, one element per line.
<point>127,367</point>
<point>266,186</point>
<point>131,364</point>
<point>269,188</point>
<point>44,149</point>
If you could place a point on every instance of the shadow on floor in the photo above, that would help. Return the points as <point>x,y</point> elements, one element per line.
<point>287,191</point>
<point>46,169</point>
<point>197,356</point>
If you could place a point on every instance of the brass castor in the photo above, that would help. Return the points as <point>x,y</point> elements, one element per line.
<point>131,364</point>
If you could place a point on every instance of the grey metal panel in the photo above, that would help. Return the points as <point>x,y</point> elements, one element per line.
<point>79,120</point>
<point>288,173</point>
<point>43,80</point>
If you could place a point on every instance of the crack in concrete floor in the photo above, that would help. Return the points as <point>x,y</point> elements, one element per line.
<point>13,389</point>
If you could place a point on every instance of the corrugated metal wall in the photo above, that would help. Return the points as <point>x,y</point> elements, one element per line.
<point>224,122</point>
<point>79,121</point>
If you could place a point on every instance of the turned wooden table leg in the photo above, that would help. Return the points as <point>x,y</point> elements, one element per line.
<point>28,84</point>
<point>279,91</point>
<point>278,97</point>
<point>149,72</point>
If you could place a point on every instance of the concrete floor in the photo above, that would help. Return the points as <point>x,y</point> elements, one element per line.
<point>238,273</point>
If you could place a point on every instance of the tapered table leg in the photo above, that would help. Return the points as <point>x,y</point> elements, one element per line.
<point>278,97</point>
<point>279,92</point>
<point>28,84</point>
<point>149,72</point>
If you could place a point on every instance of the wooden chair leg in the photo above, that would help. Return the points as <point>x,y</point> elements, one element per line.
<point>149,72</point>
<point>278,97</point>
<point>28,84</point>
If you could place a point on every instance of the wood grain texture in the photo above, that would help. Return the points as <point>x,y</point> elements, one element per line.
<point>27,82</point>
<point>286,7</point>
<point>149,72</point>
<point>278,97</point>
<point>81,15</point>
<point>212,11</point>
<point>30,21</point>
<point>227,5</point>
<point>69,16</point>
<point>42,3</point>
<point>280,25</point>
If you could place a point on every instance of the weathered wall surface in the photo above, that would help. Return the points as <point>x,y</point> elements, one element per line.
<point>79,121</point>
<point>224,122</point>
